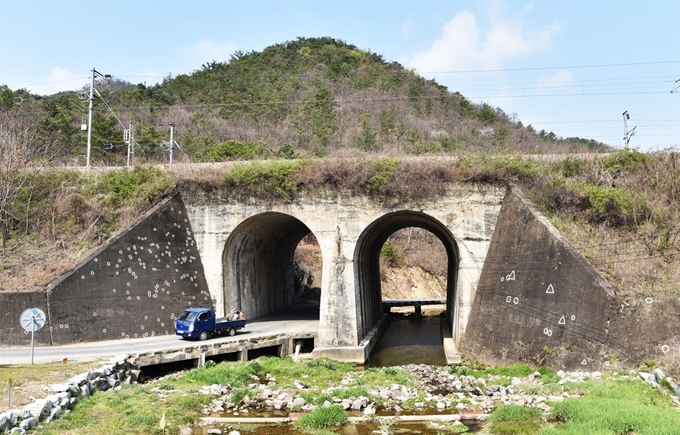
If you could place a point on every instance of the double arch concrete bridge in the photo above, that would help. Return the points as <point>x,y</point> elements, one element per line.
<point>247,251</point>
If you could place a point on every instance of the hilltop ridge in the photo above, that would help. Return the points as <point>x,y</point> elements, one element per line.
<point>306,97</point>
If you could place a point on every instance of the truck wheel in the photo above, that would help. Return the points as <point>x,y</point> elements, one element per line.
<point>231,332</point>
<point>203,336</point>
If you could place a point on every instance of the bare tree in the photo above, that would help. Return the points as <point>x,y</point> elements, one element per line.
<point>16,152</point>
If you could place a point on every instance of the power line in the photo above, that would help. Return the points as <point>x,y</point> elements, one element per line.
<point>55,81</point>
<point>606,120</point>
<point>429,72</point>
<point>562,85</point>
<point>591,94</point>
<point>568,81</point>
<point>550,67</point>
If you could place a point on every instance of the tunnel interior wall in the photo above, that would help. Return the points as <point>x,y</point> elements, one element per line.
<point>259,264</point>
<point>134,286</point>
<point>540,301</point>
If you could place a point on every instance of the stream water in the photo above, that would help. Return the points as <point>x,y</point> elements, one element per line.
<point>409,340</point>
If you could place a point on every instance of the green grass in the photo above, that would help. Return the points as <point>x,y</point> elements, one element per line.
<point>515,420</point>
<point>616,407</point>
<point>323,417</point>
<point>385,376</point>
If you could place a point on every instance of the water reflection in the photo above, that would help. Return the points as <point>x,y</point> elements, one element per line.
<point>409,340</point>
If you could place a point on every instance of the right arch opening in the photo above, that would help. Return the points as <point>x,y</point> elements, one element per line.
<point>367,263</point>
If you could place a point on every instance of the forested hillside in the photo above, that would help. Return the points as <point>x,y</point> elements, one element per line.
<point>308,97</point>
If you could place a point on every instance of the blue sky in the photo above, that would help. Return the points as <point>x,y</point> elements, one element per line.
<point>571,67</point>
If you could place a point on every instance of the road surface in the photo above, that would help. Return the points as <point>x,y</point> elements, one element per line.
<point>302,318</point>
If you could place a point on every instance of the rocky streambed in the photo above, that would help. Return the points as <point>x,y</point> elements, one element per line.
<point>437,391</point>
<point>444,394</point>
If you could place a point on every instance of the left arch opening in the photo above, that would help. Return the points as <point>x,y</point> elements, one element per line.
<point>260,272</point>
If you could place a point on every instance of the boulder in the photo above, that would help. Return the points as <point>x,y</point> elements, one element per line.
<point>4,422</point>
<point>39,409</point>
<point>659,375</point>
<point>59,388</point>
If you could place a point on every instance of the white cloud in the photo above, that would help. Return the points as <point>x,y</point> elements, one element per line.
<point>464,44</point>
<point>208,50</point>
<point>557,80</point>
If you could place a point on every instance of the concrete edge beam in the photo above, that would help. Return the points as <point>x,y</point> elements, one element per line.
<point>450,350</point>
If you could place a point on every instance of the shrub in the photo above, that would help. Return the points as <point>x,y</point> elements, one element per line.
<point>275,177</point>
<point>233,149</point>
<point>286,152</point>
<point>391,252</point>
<point>140,185</point>
<point>421,148</point>
<point>571,167</point>
<point>381,170</point>
<point>486,114</point>
<point>625,160</point>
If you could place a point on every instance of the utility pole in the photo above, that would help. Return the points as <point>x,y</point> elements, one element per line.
<point>172,139</point>
<point>171,146</point>
<point>95,74</point>
<point>128,138</point>
<point>627,134</point>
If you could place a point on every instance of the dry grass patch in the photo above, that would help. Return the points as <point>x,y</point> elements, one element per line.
<point>29,380</point>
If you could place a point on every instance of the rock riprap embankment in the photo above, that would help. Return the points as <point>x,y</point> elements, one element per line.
<point>63,397</point>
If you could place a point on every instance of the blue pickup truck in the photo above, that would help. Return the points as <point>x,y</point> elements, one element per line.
<point>201,323</point>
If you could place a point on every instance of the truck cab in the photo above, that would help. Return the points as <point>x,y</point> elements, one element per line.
<point>202,323</point>
<point>195,323</point>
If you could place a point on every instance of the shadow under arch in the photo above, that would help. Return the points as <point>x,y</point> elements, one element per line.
<point>367,263</point>
<point>258,264</point>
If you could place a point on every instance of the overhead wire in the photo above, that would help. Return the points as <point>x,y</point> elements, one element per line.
<point>551,67</point>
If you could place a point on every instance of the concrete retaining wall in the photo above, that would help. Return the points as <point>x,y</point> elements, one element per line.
<point>11,307</point>
<point>133,286</point>
<point>540,301</point>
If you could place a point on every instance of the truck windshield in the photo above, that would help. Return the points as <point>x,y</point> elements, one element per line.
<point>188,316</point>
